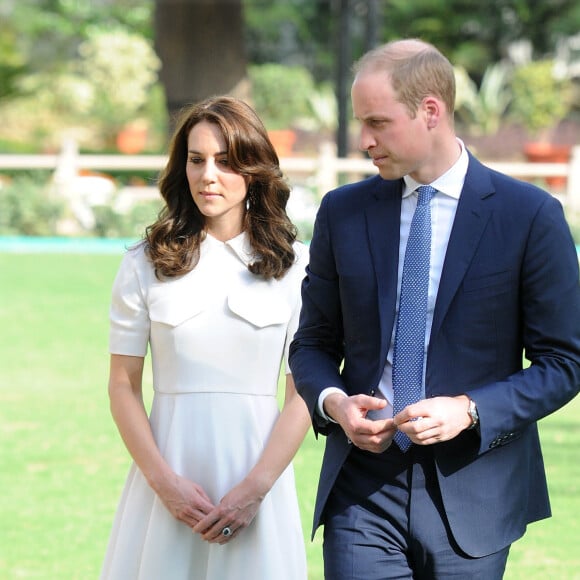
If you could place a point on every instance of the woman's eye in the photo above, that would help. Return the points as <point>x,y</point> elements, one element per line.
<point>196,160</point>
<point>224,161</point>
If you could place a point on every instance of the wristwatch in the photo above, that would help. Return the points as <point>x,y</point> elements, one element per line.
<point>472,411</point>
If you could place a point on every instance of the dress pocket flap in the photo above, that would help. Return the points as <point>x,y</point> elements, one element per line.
<point>259,306</point>
<point>174,310</point>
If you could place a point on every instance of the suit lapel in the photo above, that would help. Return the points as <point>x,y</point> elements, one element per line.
<point>468,227</point>
<point>383,226</point>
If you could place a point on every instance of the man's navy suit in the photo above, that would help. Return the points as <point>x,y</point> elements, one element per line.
<point>509,284</point>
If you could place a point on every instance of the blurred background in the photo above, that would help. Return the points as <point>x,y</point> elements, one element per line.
<point>88,93</point>
<point>106,77</point>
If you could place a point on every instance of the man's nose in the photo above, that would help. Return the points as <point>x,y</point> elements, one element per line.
<point>366,139</point>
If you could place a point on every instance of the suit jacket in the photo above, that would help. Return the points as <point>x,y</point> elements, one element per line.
<point>509,286</point>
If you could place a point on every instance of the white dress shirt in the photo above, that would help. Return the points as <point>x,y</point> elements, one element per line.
<point>443,209</point>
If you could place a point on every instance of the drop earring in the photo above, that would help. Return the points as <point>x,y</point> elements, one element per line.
<point>249,198</point>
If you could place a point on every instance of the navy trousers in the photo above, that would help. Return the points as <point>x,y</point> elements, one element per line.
<point>385,520</point>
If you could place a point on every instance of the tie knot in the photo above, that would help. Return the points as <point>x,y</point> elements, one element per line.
<point>426,192</point>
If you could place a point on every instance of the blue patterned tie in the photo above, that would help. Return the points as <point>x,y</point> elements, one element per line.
<point>409,347</point>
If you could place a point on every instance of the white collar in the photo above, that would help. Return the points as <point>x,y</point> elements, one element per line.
<point>450,183</point>
<point>240,245</point>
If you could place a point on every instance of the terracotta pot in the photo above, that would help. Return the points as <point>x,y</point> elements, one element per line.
<point>549,153</point>
<point>132,140</point>
<point>283,141</point>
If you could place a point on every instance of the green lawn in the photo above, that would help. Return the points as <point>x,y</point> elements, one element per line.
<point>63,465</point>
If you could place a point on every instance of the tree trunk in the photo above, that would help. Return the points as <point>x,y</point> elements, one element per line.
<point>201,47</point>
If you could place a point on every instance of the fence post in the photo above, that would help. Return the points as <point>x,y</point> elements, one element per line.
<point>326,172</point>
<point>63,183</point>
<point>66,165</point>
<point>573,190</point>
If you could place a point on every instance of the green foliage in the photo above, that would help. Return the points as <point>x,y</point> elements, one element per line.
<point>93,97</point>
<point>281,94</point>
<point>108,223</point>
<point>574,223</point>
<point>12,64</point>
<point>114,74</point>
<point>41,39</point>
<point>477,34</point>
<point>324,108</point>
<point>90,82</point>
<point>292,32</point>
<point>27,209</point>
<point>50,31</point>
<point>113,224</point>
<point>482,109</point>
<point>540,99</point>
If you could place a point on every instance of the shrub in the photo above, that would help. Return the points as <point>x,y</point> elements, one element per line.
<point>113,224</point>
<point>482,109</point>
<point>540,98</point>
<point>27,209</point>
<point>574,223</point>
<point>281,94</point>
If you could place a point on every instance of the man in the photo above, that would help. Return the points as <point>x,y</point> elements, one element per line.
<point>433,475</point>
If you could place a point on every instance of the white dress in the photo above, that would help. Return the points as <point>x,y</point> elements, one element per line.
<point>217,337</point>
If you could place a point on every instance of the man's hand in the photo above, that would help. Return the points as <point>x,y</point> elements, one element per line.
<point>434,420</point>
<point>351,414</point>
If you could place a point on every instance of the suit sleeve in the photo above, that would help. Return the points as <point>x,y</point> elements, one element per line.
<point>550,330</point>
<point>316,352</point>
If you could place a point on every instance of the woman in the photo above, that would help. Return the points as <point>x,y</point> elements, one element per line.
<point>214,289</point>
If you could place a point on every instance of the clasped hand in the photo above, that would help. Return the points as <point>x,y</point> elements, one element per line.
<point>426,422</point>
<point>190,504</point>
<point>351,413</point>
<point>236,511</point>
<point>434,420</point>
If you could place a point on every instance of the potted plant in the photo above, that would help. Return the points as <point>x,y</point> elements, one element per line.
<point>281,97</point>
<point>482,109</point>
<point>540,100</point>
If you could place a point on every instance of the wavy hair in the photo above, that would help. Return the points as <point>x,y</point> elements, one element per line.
<point>173,241</point>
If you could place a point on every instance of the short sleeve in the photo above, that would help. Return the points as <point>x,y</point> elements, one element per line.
<point>128,315</point>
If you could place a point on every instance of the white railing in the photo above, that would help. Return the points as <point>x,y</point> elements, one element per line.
<point>322,172</point>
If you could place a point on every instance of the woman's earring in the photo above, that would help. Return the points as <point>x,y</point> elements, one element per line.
<point>248,202</point>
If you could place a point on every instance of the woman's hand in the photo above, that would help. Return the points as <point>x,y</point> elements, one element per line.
<point>235,511</point>
<point>185,500</point>
<point>239,506</point>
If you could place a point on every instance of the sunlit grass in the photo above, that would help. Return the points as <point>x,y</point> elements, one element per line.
<point>62,462</point>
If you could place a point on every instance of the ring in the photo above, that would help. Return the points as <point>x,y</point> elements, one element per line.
<point>227,531</point>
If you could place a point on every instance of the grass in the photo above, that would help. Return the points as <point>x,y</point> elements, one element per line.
<point>62,462</point>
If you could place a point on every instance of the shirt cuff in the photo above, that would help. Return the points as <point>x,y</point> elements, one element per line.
<point>322,397</point>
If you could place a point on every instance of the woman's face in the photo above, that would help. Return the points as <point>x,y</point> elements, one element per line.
<point>217,190</point>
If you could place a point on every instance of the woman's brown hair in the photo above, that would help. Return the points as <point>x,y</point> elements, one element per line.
<point>173,241</point>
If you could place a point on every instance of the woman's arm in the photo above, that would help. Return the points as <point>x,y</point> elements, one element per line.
<point>186,500</point>
<point>284,442</point>
<point>239,506</point>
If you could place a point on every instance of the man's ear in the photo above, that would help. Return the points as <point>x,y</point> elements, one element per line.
<point>433,111</point>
